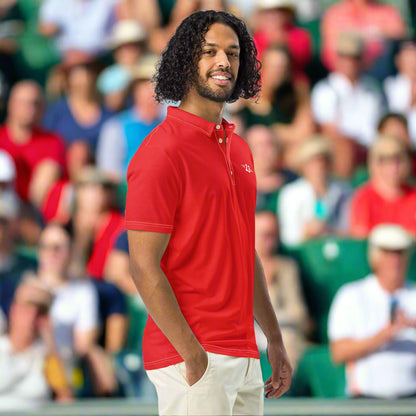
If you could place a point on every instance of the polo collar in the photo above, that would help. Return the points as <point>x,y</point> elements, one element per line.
<point>205,126</point>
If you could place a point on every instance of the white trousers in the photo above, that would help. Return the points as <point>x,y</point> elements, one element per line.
<point>230,386</point>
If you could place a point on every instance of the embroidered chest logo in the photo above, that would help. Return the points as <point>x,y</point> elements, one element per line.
<point>247,168</point>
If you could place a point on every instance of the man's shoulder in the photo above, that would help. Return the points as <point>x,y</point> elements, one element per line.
<point>298,186</point>
<point>362,286</point>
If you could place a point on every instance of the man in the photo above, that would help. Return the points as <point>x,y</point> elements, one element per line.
<point>372,322</point>
<point>190,220</point>
<point>314,205</point>
<point>386,197</point>
<point>347,105</point>
<point>122,135</point>
<point>39,156</point>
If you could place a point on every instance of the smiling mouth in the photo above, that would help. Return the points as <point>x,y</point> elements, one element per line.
<point>222,79</point>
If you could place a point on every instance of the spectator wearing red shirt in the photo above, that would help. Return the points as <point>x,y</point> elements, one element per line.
<point>190,219</point>
<point>96,222</point>
<point>39,155</point>
<point>385,198</point>
<point>274,25</point>
<point>374,20</point>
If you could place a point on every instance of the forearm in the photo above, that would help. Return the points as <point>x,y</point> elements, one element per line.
<point>262,305</point>
<point>160,301</point>
<point>346,350</point>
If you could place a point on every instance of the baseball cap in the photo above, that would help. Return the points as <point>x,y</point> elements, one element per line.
<point>350,44</point>
<point>7,167</point>
<point>390,237</point>
<point>127,31</point>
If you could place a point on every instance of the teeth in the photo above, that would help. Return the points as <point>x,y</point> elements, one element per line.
<point>220,77</point>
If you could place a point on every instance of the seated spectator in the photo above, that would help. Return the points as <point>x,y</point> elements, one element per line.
<point>81,28</point>
<point>274,24</point>
<point>13,265</point>
<point>386,197</point>
<point>401,89</point>
<point>376,22</point>
<point>314,205</point>
<point>145,12</point>
<point>267,160</point>
<point>122,135</point>
<point>29,366</point>
<point>96,223</point>
<point>128,43</point>
<point>117,266</point>
<point>283,282</point>
<point>284,104</point>
<point>372,322</point>
<point>395,124</point>
<point>79,115</point>
<point>39,156</point>
<point>347,105</point>
<point>75,328</point>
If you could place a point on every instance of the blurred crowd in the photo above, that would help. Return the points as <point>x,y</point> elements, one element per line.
<point>333,138</point>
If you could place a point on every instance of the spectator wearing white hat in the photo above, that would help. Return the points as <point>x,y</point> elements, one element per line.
<point>122,135</point>
<point>315,204</point>
<point>128,44</point>
<point>372,321</point>
<point>347,105</point>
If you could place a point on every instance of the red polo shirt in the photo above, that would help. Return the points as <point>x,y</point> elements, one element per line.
<point>369,208</point>
<point>195,180</point>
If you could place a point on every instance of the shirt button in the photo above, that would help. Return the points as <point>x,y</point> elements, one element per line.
<point>231,172</point>
<point>217,126</point>
<point>220,140</point>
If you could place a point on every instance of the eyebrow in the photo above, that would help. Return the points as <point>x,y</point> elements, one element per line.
<point>215,45</point>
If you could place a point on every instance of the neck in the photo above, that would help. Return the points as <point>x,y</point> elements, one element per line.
<point>18,342</point>
<point>388,191</point>
<point>19,133</point>
<point>319,186</point>
<point>386,285</point>
<point>52,279</point>
<point>82,98</point>
<point>203,107</point>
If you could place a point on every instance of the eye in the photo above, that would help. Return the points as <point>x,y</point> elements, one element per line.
<point>234,54</point>
<point>208,52</point>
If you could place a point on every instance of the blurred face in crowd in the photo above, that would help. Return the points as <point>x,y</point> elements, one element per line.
<point>81,80</point>
<point>349,66</point>
<point>143,96</point>
<point>396,127</point>
<point>128,54</point>
<point>267,233</point>
<point>217,5</point>
<point>54,251</point>
<point>264,148</point>
<point>316,169</point>
<point>389,266</point>
<point>272,21</point>
<point>389,164</point>
<point>30,304</point>
<point>26,104</point>
<point>91,197</point>
<point>276,67</point>
<point>406,60</point>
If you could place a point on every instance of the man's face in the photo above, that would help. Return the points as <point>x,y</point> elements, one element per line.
<point>218,65</point>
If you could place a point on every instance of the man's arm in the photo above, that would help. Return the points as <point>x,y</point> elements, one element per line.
<point>146,251</point>
<point>280,380</point>
<point>348,349</point>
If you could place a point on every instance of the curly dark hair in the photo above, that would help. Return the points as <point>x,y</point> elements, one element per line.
<point>178,63</point>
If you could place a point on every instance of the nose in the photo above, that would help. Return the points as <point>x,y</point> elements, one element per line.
<point>222,60</point>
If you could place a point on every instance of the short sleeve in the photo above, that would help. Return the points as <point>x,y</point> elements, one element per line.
<point>324,103</point>
<point>341,322</point>
<point>153,192</point>
<point>87,317</point>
